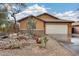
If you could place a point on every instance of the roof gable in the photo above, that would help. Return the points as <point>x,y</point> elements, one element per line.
<point>31,16</point>
<point>45,17</point>
<point>49,18</point>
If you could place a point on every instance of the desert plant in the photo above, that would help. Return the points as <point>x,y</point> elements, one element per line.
<point>43,41</point>
<point>31,26</point>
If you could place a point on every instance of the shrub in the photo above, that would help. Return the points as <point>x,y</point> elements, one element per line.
<point>43,41</point>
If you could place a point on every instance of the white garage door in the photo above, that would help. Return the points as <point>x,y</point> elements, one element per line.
<point>56,29</point>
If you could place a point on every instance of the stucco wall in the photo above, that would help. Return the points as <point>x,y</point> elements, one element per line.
<point>46,17</point>
<point>24,24</point>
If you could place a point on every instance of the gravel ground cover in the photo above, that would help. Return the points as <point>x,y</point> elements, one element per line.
<point>14,47</point>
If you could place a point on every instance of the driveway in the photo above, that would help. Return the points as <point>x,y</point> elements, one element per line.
<point>73,46</point>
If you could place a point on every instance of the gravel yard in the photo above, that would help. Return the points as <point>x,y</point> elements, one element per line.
<point>53,48</point>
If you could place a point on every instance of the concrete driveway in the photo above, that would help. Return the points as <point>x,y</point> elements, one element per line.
<point>75,41</point>
<point>73,46</point>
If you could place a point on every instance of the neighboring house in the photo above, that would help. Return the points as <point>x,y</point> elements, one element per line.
<point>48,24</point>
<point>75,28</point>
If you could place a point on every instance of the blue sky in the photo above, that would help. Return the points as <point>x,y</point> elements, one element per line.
<point>57,7</point>
<point>65,11</point>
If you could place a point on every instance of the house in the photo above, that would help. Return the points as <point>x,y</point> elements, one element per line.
<point>75,28</point>
<point>47,24</point>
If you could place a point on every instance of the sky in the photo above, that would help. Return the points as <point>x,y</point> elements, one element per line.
<point>58,7</point>
<point>67,11</point>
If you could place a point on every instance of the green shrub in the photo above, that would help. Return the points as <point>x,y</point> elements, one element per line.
<point>43,41</point>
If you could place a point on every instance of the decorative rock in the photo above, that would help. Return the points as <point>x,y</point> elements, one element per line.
<point>14,35</point>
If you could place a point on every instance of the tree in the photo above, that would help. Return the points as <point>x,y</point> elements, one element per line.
<point>10,9</point>
<point>31,26</point>
<point>13,9</point>
<point>3,16</point>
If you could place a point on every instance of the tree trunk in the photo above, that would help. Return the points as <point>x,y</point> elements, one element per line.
<point>15,24</point>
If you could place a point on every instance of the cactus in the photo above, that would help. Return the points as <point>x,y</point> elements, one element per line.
<point>44,41</point>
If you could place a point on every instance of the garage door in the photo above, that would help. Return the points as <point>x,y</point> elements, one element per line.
<point>56,29</point>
